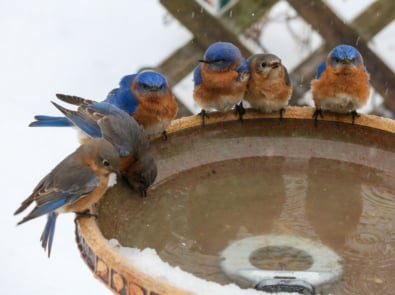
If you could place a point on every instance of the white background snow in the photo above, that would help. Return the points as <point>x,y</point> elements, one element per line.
<point>80,47</point>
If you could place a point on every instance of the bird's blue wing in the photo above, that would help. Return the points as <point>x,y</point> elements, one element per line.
<point>320,69</point>
<point>124,99</point>
<point>106,108</point>
<point>242,69</point>
<point>365,70</point>
<point>197,75</point>
<point>103,119</point>
<point>58,199</point>
<point>111,96</point>
<point>82,120</point>
<point>243,66</point>
<point>48,203</point>
<point>62,187</point>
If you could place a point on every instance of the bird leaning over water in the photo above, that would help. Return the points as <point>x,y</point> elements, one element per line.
<point>102,119</point>
<point>269,88</point>
<point>146,96</point>
<point>220,79</point>
<point>341,84</point>
<point>76,183</point>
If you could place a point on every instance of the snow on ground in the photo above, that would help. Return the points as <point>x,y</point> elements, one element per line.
<point>149,262</point>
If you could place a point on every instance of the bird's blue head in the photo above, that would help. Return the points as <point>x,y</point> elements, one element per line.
<point>345,55</point>
<point>221,55</point>
<point>151,82</point>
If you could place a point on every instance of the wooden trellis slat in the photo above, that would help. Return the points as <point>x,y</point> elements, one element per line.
<point>374,18</point>
<point>205,27</point>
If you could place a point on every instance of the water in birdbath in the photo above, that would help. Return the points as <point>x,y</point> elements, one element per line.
<point>191,216</point>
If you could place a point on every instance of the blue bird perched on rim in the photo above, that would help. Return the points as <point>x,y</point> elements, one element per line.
<point>146,96</point>
<point>341,84</point>
<point>220,79</point>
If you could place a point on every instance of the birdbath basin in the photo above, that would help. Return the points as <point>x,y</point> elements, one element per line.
<point>255,203</point>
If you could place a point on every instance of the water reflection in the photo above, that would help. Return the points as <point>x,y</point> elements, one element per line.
<point>334,200</point>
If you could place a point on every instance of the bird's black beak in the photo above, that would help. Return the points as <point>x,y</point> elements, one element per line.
<point>154,88</point>
<point>347,61</point>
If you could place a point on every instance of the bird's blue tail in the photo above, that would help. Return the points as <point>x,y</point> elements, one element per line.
<point>48,233</point>
<point>50,121</point>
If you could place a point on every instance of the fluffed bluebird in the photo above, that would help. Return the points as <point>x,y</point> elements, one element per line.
<point>146,96</point>
<point>220,79</point>
<point>153,104</point>
<point>269,87</point>
<point>102,119</point>
<point>342,83</point>
<point>76,183</point>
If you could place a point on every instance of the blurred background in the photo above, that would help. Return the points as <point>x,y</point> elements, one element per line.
<point>84,47</point>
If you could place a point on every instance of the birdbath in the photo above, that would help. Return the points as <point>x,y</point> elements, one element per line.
<point>254,204</point>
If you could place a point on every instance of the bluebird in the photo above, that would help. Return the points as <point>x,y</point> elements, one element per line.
<point>103,119</point>
<point>269,88</point>
<point>342,83</point>
<point>154,105</point>
<point>220,79</point>
<point>146,96</point>
<point>76,183</point>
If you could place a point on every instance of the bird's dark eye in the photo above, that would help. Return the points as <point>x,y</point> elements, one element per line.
<point>337,59</point>
<point>264,65</point>
<point>105,163</point>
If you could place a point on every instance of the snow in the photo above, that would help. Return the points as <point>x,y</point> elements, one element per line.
<point>150,263</point>
<point>76,47</point>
